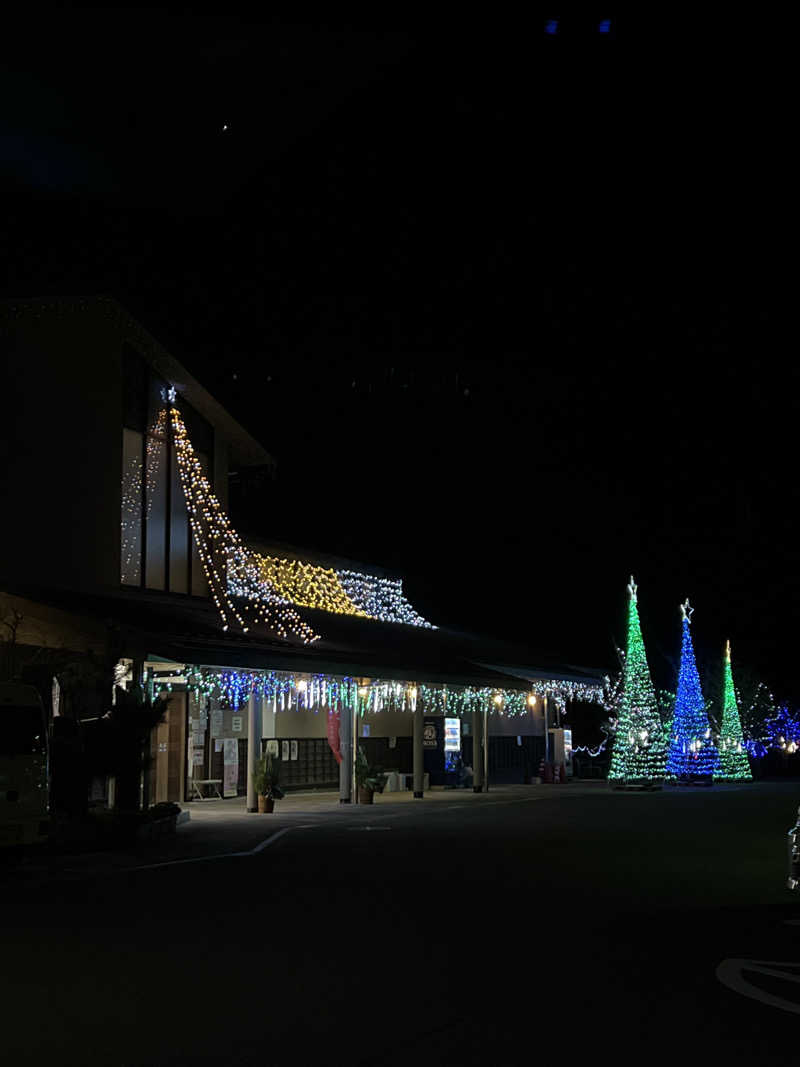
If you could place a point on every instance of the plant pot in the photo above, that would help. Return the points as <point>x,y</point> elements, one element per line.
<point>265,805</point>
<point>365,796</point>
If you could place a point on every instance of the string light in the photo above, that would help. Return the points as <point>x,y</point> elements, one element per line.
<point>229,568</point>
<point>692,755</point>
<point>733,762</point>
<point>380,598</point>
<point>639,749</point>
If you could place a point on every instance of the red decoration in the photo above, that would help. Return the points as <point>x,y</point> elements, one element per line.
<point>334,719</point>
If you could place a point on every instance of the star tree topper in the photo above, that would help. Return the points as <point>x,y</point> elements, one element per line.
<point>632,587</point>
<point>686,611</point>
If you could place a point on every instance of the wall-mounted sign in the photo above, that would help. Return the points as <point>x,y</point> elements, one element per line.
<point>429,739</point>
<point>365,730</point>
<point>236,724</point>
<point>293,750</point>
<point>284,749</point>
<point>230,771</point>
<point>272,747</point>
<point>452,735</point>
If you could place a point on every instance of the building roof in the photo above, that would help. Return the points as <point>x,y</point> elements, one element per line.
<point>244,448</point>
<point>187,630</point>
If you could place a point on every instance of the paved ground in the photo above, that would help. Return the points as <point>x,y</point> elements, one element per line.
<point>530,923</point>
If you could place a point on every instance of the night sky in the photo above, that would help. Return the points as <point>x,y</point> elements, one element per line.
<point>506,306</point>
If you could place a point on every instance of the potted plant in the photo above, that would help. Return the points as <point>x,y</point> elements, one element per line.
<point>266,783</point>
<point>369,779</point>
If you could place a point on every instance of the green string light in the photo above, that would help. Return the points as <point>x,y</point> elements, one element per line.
<point>639,751</point>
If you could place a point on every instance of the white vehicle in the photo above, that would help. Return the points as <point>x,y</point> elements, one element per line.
<point>23,766</point>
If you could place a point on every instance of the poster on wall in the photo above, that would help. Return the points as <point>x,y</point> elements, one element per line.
<point>216,723</point>
<point>236,724</point>
<point>285,750</point>
<point>272,747</point>
<point>230,773</point>
<point>293,749</point>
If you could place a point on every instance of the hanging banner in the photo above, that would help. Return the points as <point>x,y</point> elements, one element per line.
<point>334,720</point>
<point>230,773</point>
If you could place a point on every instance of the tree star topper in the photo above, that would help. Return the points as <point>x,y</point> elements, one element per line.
<point>632,587</point>
<point>686,611</point>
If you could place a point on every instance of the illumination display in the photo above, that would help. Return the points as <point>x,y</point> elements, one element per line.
<point>692,756</point>
<point>380,598</point>
<point>286,691</point>
<point>131,514</point>
<point>733,762</point>
<point>639,749</point>
<point>222,553</point>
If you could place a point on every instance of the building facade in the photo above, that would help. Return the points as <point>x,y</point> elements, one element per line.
<point>117,545</point>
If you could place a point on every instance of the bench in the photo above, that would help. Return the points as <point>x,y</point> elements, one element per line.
<point>198,793</point>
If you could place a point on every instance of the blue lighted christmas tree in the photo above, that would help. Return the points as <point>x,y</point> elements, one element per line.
<point>692,756</point>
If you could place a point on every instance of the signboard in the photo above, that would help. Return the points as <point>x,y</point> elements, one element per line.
<point>365,730</point>
<point>293,748</point>
<point>216,723</point>
<point>230,772</point>
<point>272,747</point>
<point>429,738</point>
<point>452,735</point>
<point>236,724</point>
<point>284,750</point>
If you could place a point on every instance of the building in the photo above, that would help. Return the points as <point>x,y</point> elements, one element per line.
<point>117,543</point>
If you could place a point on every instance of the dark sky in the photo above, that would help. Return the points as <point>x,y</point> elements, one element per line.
<point>507,307</point>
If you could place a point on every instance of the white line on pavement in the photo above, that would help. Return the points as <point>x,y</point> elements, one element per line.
<point>221,855</point>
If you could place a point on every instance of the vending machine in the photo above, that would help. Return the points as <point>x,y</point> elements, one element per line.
<point>560,749</point>
<point>453,763</point>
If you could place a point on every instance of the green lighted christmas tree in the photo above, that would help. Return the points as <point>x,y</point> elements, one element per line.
<point>640,749</point>
<point>734,764</point>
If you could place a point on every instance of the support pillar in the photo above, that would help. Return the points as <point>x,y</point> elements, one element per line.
<point>347,749</point>
<point>419,748</point>
<point>477,750</point>
<point>486,750</point>
<point>253,749</point>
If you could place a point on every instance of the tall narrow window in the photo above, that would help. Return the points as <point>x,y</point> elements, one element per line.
<point>156,502</point>
<point>178,534</point>
<point>131,515</point>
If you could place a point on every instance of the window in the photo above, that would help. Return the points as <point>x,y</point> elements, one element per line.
<point>157,546</point>
<point>131,562</point>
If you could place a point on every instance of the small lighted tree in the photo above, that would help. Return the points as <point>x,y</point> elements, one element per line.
<point>734,764</point>
<point>692,756</point>
<point>639,752</point>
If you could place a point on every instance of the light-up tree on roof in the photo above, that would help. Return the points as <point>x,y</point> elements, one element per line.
<point>692,756</point>
<point>734,764</point>
<point>639,752</point>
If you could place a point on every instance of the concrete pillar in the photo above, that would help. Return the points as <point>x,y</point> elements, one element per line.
<point>419,748</point>
<point>486,750</point>
<point>347,749</point>
<point>253,748</point>
<point>477,750</point>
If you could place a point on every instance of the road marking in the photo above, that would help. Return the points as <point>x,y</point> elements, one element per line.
<point>730,974</point>
<point>221,855</point>
<point>361,828</point>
